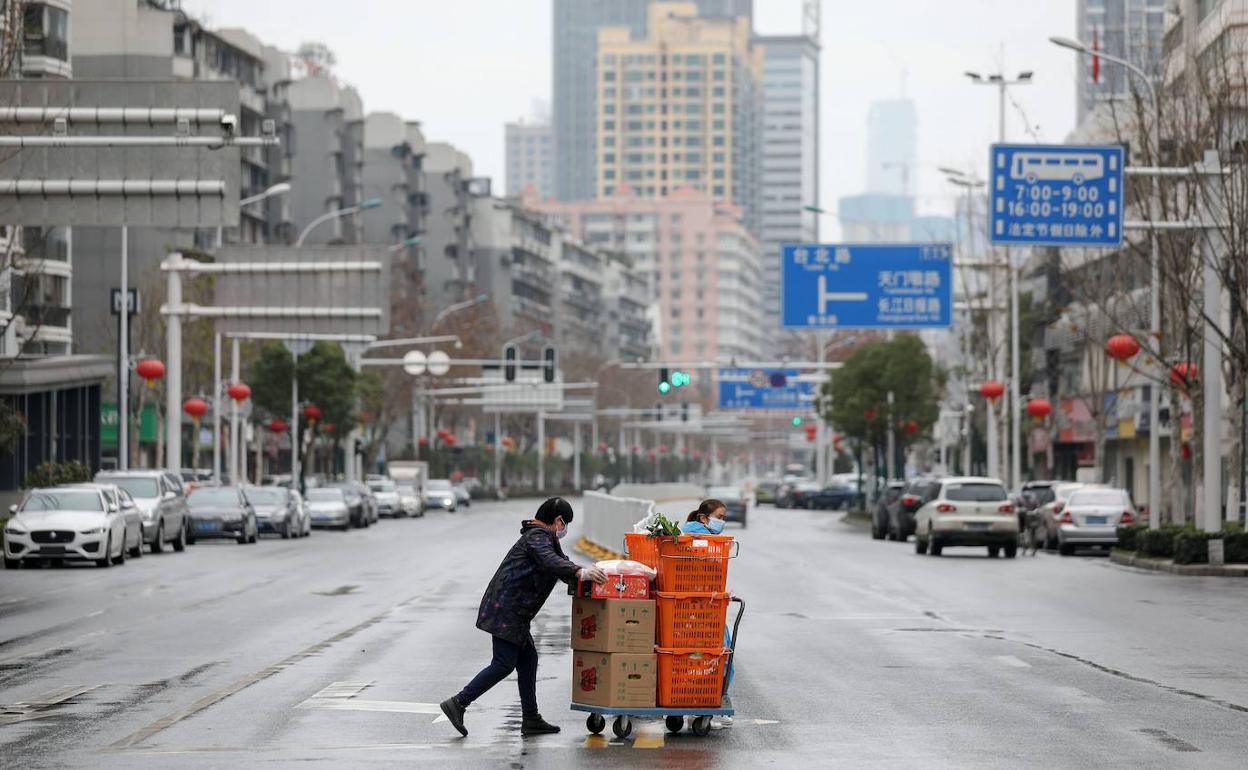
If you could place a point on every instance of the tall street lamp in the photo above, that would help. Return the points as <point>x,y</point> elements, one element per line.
<point>1154,205</point>
<point>281,188</point>
<point>370,203</point>
<point>1002,84</point>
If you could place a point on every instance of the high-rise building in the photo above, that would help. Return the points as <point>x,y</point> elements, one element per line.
<point>892,141</point>
<point>327,168</point>
<point>790,156</point>
<point>574,89</point>
<point>680,108</point>
<point>703,267</point>
<point>530,158</point>
<point>1129,29</point>
<point>449,258</point>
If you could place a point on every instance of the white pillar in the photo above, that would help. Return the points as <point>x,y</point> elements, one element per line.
<point>541,451</point>
<point>235,441</point>
<point>294,422</point>
<point>576,456</point>
<point>1016,462</point>
<point>173,376</point>
<point>123,358</point>
<point>994,470</point>
<point>216,405</point>
<point>1213,252</point>
<point>889,470</point>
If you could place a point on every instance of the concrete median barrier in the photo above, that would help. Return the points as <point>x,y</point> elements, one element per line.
<point>607,517</point>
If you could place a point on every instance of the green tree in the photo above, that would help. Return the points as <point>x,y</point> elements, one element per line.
<point>855,400</point>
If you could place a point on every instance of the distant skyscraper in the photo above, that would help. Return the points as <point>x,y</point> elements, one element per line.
<point>529,158</point>
<point>574,56</point>
<point>892,137</point>
<point>680,108</point>
<point>1128,29</point>
<point>790,156</point>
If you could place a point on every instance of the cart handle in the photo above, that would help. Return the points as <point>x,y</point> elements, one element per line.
<point>736,624</point>
<point>736,550</point>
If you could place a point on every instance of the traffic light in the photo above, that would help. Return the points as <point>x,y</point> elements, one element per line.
<point>797,422</point>
<point>509,363</point>
<point>548,365</point>
<point>665,384</point>
<point>684,412</point>
<point>680,379</point>
<point>810,432</point>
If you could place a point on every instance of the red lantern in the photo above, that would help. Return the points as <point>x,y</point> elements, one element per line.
<point>869,413</point>
<point>1122,346</point>
<point>663,449</point>
<point>312,413</point>
<point>329,427</point>
<point>450,440</point>
<point>1186,451</point>
<point>1039,408</point>
<point>278,425</point>
<point>992,390</point>
<point>602,446</point>
<point>195,407</point>
<point>912,427</point>
<point>239,391</point>
<point>150,370</point>
<point>1183,374</point>
<point>423,441</point>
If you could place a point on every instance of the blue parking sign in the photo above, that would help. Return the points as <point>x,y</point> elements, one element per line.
<point>1056,195</point>
<point>867,285</point>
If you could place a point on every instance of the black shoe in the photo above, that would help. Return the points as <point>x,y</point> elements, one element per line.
<point>535,725</point>
<point>455,713</point>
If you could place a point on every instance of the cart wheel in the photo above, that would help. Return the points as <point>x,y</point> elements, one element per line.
<point>622,727</point>
<point>702,726</point>
<point>675,724</point>
<point>595,723</point>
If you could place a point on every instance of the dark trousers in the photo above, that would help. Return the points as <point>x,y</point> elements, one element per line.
<point>508,657</point>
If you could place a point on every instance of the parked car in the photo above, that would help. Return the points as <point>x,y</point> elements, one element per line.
<point>1091,517</point>
<point>387,494</point>
<point>902,511</point>
<point>222,512</point>
<point>735,502</point>
<point>765,492</point>
<point>161,502</point>
<point>967,511</point>
<point>65,524</point>
<point>409,500</point>
<point>1051,511</point>
<point>371,505</point>
<point>793,494</point>
<point>330,507</point>
<point>879,519</point>
<point>357,505</point>
<point>115,495</point>
<point>303,510</point>
<point>462,495</point>
<point>832,497</point>
<point>277,511</point>
<point>440,494</point>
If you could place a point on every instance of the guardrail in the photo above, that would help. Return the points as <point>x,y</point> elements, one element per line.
<point>607,517</point>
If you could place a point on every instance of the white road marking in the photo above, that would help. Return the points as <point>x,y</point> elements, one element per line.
<point>340,690</point>
<point>397,706</point>
<point>765,721</point>
<point>1010,660</point>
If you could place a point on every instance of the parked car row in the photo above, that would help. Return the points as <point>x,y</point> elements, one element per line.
<point>122,512</point>
<point>812,495</point>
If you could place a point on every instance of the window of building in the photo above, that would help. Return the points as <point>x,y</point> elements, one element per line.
<point>45,31</point>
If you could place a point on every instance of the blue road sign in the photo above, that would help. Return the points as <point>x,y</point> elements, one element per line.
<point>1056,195</point>
<point>867,286</point>
<point>752,389</point>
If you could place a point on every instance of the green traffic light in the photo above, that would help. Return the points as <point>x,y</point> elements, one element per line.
<point>680,379</point>
<point>664,388</point>
<point>797,422</point>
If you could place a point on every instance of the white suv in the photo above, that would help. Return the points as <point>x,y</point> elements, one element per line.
<point>968,511</point>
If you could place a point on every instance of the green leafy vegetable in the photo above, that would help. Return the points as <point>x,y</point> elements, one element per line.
<point>663,527</point>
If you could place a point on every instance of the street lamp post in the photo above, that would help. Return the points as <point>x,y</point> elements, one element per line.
<point>370,203</point>
<point>1002,84</point>
<point>1154,269</point>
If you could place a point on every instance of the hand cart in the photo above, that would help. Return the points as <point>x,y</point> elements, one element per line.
<point>674,718</point>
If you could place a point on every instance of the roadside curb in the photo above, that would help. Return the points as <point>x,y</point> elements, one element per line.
<point>853,519</point>
<point>595,551</point>
<point>1129,559</point>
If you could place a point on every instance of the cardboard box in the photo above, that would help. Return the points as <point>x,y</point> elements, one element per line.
<point>618,586</point>
<point>613,625</point>
<point>614,679</point>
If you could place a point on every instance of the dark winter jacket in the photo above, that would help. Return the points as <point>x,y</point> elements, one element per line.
<point>522,584</point>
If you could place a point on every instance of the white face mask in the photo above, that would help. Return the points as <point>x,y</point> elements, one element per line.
<point>563,532</point>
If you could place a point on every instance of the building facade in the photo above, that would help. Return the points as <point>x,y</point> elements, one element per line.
<point>530,158</point>
<point>327,167</point>
<point>680,107</point>
<point>1129,29</point>
<point>790,157</point>
<point>702,265</point>
<point>449,260</point>
<point>574,55</point>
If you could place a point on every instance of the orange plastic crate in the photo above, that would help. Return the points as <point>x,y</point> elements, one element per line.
<point>692,620</point>
<point>691,678</point>
<point>694,563</point>
<point>643,548</point>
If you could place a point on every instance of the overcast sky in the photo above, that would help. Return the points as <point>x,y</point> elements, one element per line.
<point>465,67</point>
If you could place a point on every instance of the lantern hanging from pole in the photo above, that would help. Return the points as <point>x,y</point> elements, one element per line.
<point>869,413</point>
<point>150,370</point>
<point>1122,346</point>
<point>912,427</point>
<point>195,407</point>
<point>602,446</point>
<point>1039,408</point>
<point>312,413</point>
<point>239,391</point>
<point>1184,374</point>
<point>278,425</point>
<point>992,390</point>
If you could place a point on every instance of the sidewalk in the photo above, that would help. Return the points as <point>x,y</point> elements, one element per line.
<point>1129,559</point>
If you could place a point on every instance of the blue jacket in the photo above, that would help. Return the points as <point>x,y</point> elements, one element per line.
<point>522,584</point>
<point>694,528</point>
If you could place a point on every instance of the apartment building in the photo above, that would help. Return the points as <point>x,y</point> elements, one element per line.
<point>529,158</point>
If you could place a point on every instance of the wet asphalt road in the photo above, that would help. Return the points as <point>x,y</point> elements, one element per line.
<point>332,651</point>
